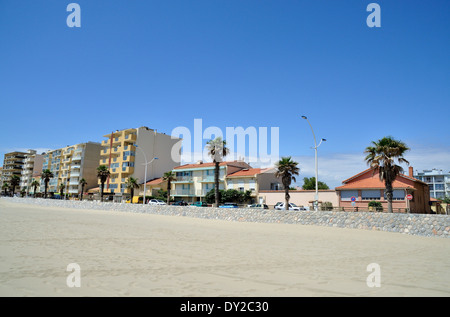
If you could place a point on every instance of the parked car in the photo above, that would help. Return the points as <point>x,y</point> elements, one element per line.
<point>263,206</point>
<point>156,202</point>
<point>277,204</point>
<point>200,204</point>
<point>292,206</point>
<point>180,203</point>
<point>229,205</point>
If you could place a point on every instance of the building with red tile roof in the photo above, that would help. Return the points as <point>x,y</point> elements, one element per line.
<point>367,186</point>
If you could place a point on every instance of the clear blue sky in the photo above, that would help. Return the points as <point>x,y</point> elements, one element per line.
<point>260,63</point>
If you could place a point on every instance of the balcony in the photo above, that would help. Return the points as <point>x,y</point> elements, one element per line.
<point>184,179</point>
<point>75,174</point>
<point>76,158</point>
<point>76,166</point>
<point>74,183</point>
<point>73,191</point>
<point>182,192</point>
<point>131,137</point>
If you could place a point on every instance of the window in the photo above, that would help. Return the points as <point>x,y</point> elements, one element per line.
<point>371,194</point>
<point>274,186</point>
<point>241,189</point>
<point>252,184</point>
<point>230,184</point>
<point>346,195</point>
<point>397,194</point>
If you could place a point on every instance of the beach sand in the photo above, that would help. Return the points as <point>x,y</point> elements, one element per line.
<point>129,254</point>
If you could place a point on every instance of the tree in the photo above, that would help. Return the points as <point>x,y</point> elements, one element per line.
<point>13,182</point>
<point>382,156</point>
<point>34,184</point>
<point>61,190</point>
<point>5,187</point>
<point>131,184</point>
<point>102,174</point>
<point>217,150</point>
<point>309,183</point>
<point>169,177</point>
<point>376,204</point>
<point>83,183</point>
<point>286,169</point>
<point>46,176</point>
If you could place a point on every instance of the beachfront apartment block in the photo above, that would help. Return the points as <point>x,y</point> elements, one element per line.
<point>71,164</point>
<point>438,181</point>
<point>12,165</point>
<point>127,152</point>
<point>194,181</point>
<point>254,180</point>
<point>32,168</point>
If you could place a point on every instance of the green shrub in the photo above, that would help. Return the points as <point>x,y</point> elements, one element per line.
<point>376,205</point>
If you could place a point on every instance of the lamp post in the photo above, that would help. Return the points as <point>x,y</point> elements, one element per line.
<point>316,197</point>
<point>145,173</point>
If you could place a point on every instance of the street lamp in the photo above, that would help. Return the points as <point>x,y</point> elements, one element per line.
<point>145,173</point>
<point>316,198</point>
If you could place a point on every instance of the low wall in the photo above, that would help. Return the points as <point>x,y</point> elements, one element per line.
<point>414,224</point>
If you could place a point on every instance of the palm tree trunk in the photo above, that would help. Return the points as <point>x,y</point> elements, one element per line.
<point>82,191</point>
<point>45,190</point>
<point>34,191</point>
<point>13,190</point>
<point>286,197</point>
<point>101,191</point>
<point>168,192</point>
<point>132,194</point>
<point>389,195</point>
<point>216,184</point>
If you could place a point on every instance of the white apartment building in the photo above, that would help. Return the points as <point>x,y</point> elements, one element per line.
<point>71,164</point>
<point>438,181</point>
<point>31,168</point>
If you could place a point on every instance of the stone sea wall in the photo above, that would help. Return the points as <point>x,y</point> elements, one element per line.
<point>413,224</point>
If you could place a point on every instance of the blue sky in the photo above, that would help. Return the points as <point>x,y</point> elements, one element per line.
<point>260,63</point>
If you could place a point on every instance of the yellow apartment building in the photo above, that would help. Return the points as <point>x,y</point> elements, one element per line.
<point>127,152</point>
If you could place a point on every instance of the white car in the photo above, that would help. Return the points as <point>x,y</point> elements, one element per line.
<point>292,206</point>
<point>156,202</point>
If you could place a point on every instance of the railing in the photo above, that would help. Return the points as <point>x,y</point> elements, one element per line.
<point>184,179</point>
<point>182,192</point>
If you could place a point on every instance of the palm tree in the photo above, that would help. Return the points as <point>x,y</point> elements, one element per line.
<point>131,184</point>
<point>13,182</point>
<point>34,184</point>
<point>46,175</point>
<point>102,174</point>
<point>82,183</point>
<point>5,187</point>
<point>217,150</point>
<point>286,169</point>
<point>61,190</point>
<point>381,157</point>
<point>169,177</point>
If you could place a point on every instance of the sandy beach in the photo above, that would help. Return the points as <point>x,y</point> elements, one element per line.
<point>132,254</point>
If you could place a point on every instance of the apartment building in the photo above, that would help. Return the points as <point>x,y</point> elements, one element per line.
<point>438,181</point>
<point>253,179</point>
<point>127,152</point>
<point>12,165</point>
<point>194,181</point>
<point>71,164</point>
<point>32,168</point>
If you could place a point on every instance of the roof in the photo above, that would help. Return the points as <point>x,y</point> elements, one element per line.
<point>248,172</point>
<point>358,181</point>
<point>155,181</point>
